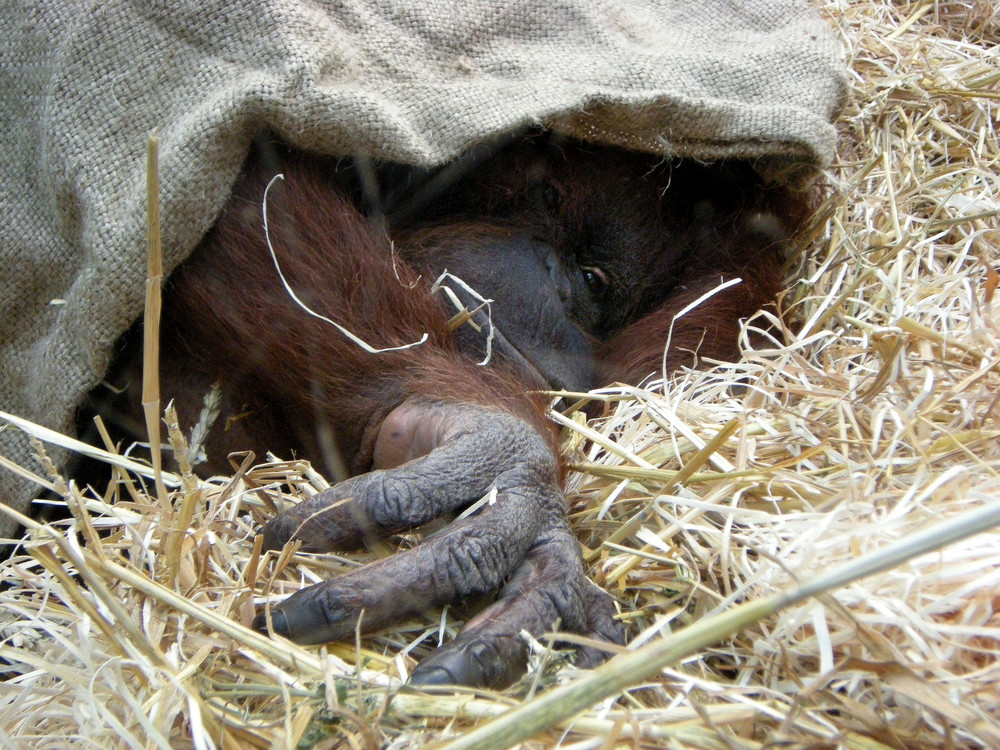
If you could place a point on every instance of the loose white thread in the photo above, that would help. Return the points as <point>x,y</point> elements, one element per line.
<point>689,308</point>
<point>453,298</point>
<point>367,347</point>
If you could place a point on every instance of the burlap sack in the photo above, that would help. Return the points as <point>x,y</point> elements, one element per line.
<point>417,81</point>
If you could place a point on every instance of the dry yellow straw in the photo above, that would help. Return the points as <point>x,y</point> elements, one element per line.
<point>151,319</point>
<point>628,669</point>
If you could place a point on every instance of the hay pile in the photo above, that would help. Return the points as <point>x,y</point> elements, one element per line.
<point>875,413</point>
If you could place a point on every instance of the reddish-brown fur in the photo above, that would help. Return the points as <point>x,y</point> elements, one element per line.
<point>707,331</point>
<point>343,270</point>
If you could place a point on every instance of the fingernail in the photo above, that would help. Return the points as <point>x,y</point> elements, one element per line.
<point>279,623</point>
<point>431,676</point>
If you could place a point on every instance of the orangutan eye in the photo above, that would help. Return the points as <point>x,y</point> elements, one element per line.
<point>595,279</point>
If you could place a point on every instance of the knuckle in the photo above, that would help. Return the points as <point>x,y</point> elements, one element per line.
<point>397,500</point>
<point>473,566</point>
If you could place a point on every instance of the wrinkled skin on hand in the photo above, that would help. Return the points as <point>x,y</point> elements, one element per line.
<point>519,544</point>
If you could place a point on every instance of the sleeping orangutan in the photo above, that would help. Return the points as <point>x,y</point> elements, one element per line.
<point>587,253</point>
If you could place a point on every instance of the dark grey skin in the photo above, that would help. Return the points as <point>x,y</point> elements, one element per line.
<point>520,545</point>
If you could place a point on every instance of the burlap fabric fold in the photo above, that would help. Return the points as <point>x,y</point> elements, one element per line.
<point>417,81</point>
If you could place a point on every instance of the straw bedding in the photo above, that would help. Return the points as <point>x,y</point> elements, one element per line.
<point>871,413</point>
